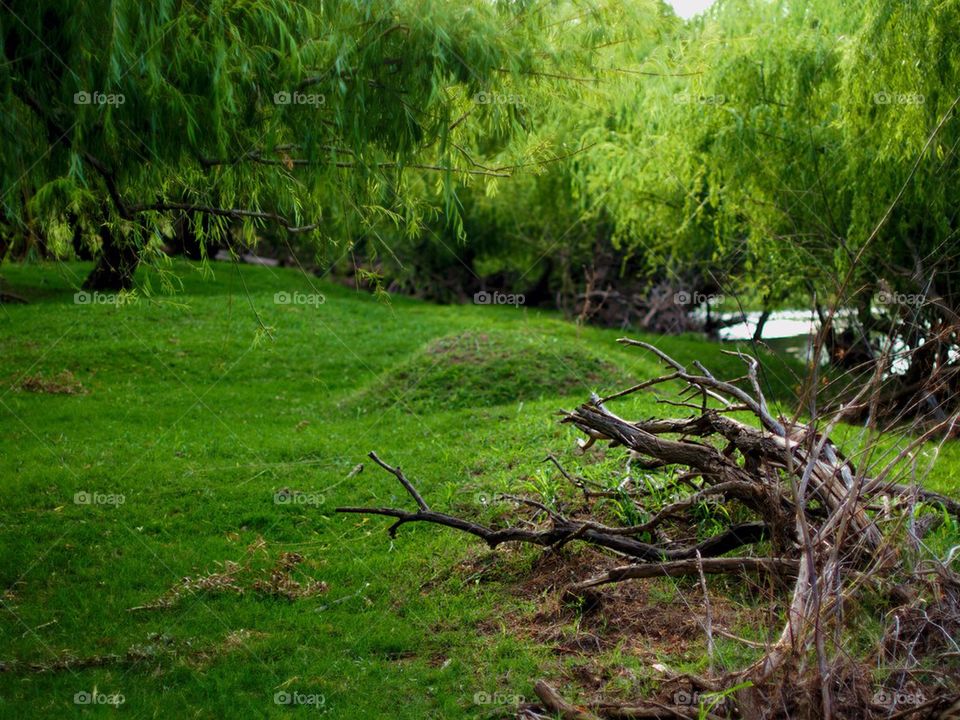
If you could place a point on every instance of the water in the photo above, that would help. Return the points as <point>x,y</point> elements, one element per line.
<point>790,332</point>
<point>780,324</point>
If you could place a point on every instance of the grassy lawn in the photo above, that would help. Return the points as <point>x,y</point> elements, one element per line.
<point>210,433</point>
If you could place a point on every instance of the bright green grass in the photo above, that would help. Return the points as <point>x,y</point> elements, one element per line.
<point>197,416</point>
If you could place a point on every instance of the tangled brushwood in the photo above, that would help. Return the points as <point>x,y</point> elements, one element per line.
<point>845,541</point>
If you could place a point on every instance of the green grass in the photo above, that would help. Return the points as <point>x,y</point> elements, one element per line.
<point>197,408</point>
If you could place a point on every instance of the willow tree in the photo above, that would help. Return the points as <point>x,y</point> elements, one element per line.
<point>901,103</point>
<point>539,232</point>
<point>121,117</point>
<point>530,230</point>
<point>720,159</point>
<point>801,148</point>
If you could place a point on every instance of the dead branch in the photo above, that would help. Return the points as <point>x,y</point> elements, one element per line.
<point>817,513</point>
<point>679,568</point>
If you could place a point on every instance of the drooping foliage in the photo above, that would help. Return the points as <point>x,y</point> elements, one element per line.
<point>122,117</point>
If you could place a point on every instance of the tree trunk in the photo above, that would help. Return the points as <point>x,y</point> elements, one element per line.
<point>79,248</point>
<point>761,323</point>
<point>115,265</point>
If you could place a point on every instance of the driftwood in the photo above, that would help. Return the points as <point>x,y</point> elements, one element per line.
<point>815,520</point>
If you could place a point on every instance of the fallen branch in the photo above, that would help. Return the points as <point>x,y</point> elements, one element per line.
<point>793,489</point>
<point>680,568</point>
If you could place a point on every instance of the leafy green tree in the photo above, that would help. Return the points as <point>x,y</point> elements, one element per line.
<point>122,117</point>
<point>539,231</point>
<point>900,100</point>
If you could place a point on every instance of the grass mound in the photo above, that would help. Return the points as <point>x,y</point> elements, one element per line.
<point>481,369</point>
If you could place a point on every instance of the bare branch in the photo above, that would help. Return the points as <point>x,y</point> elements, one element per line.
<point>421,503</point>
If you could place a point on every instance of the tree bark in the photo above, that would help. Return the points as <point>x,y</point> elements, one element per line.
<point>115,266</point>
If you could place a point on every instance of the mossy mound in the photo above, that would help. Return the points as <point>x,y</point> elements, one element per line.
<point>481,369</point>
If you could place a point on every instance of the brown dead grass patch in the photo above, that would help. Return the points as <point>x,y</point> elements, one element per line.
<point>63,383</point>
<point>239,578</point>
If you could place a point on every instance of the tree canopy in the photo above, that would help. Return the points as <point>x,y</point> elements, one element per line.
<point>307,116</point>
